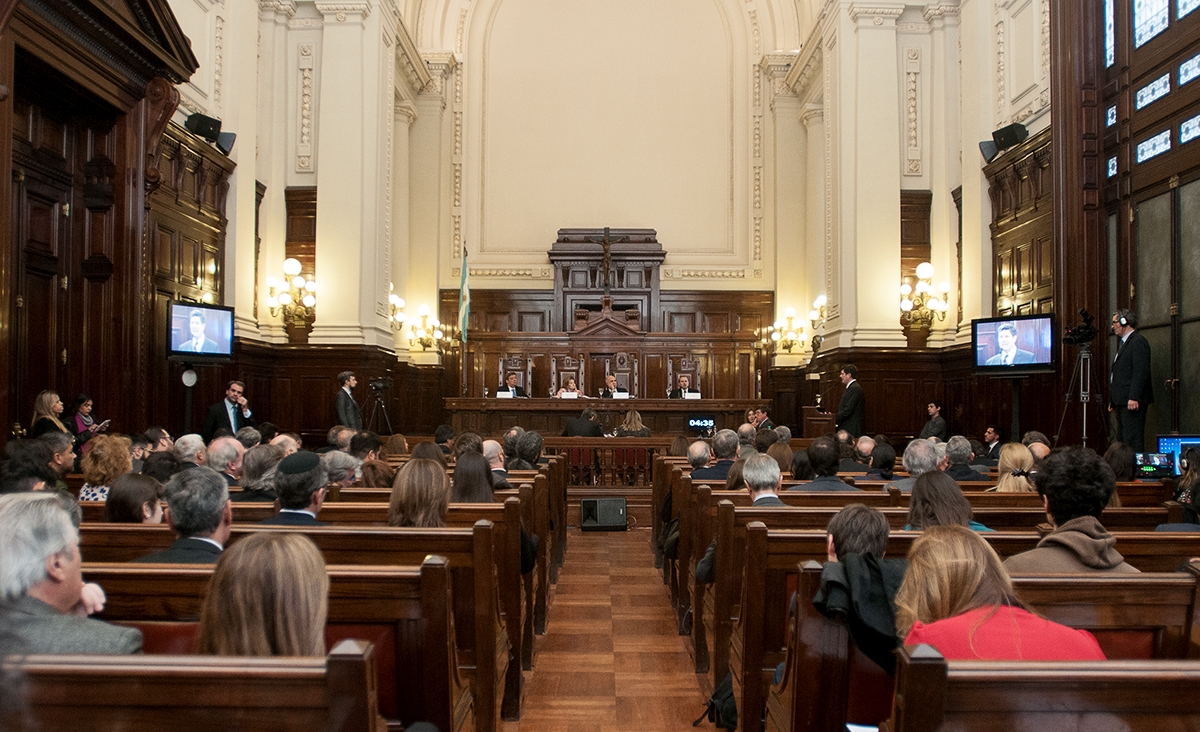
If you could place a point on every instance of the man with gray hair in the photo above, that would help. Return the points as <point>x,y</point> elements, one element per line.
<point>862,457</point>
<point>300,481</point>
<point>698,454</point>
<point>725,450</point>
<point>199,512</point>
<point>746,434</point>
<point>959,456</point>
<point>43,602</point>
<point>763,479</point>
<point>225,456</point>
<point>248,437</point>
<point>920,457</point>
<point>190,450</point>
<point>784,432</point>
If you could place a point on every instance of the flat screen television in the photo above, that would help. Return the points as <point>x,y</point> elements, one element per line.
<point>197,332</point>
<point>1176,445</point>
<point>1013,346</point>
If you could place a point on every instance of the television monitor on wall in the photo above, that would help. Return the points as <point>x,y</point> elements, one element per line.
<point>1013,346</point>
<point>197,332</point>
<point>1176,445</point>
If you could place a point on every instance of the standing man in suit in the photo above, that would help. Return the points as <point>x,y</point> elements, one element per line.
<point>232,412</point>
<point>348,411</point>
<point>1010,355</point>
<point>45,604</point>
<point>300,482</point>
<point>510,385</point>
<point>683,388</point>
<point>199,512</point>
<point>936,426</point>
<point>197,341</point>
<point>610,387</point>
<point>852,410</point>
<point>584,425</point>
<point>1131,391</point>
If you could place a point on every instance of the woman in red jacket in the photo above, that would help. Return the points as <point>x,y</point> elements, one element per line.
<point>957,597</point>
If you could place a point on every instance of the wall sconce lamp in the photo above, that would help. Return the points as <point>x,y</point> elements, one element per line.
<point>396,316</point>
<point>430,333</point>
<point>919,305</point>
<point>295,294</point>
<point>785,333</point>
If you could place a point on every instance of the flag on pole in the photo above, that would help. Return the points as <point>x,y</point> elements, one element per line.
<point>464,300</point>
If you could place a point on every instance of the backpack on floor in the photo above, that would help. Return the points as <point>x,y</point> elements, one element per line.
<point>722,708</point>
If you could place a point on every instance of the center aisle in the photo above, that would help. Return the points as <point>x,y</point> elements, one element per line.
<point>611,658</point>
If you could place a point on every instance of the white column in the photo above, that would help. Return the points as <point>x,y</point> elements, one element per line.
<point>977,109</point>
<point>353,121</point>
<point>813,280</point>
<point>869,176</point>
<point>405,113</point>
<point>240,117</point>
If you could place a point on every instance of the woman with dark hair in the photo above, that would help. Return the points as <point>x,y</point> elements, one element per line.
<point>134,499</point>
<point>428,451</point>
<point>472,480</point>
<point>801,467</point>
<point>161,465</point>
<point>420,495</point>
<point>733,480</point>
<point>957,597</point>
<point>938,501</point>
<point>81,424</point>
<point>393,446</point>
<point>1187,485</point>
<point>467,442</point>
<point>269,596</point>
<point>883,462</point>
<point>1120,457</point>
<point>108,459</point>
<point>377,474</point>
<point>679,447</point>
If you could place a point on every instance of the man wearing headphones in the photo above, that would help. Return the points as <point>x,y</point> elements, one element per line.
<point>1130,389</point>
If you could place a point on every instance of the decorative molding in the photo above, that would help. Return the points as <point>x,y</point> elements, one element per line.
<point>409,58</point>
<point>456,212</point>
<point>712,274</point>
<point>287,7</point>
<point>1000,100</point>
<point>914,27</point>
<point>439,65</point>
<point>341,10</point>
<point>506,273</point>
<point>912,70</point>
<point>304,144</point>
<point>306,23</point>
<point>806,67</point>
<point>812,113</point>
<point>755,32</point>
<point>405,109</point>
<point>162,99</point>
<point>218,59</point>
<point>1045,41</point>
<point>777,65</point>
<point>460,31</point>
<point>932,13</point>
<point>827,81</point>
<point>878,14</point>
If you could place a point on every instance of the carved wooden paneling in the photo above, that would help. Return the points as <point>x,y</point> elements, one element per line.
<point>914,231</point>
<point>1022,227</point>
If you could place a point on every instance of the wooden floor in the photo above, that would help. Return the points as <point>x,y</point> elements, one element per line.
<point>611,658</point>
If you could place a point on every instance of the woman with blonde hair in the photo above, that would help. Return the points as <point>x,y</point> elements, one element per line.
<point>1016,462</point>
<point>108,459</point>
<point>269,596</point>
<point>46,410</point>
<point>632,426</point>
<point>957,597</point>
<point>420,495</point>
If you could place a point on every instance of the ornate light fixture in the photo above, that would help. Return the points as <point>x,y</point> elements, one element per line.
<point>396,316</point>
<point>429,332</point>
<point>785,333</point>
<point>919,305</point>
<point>295,294</point>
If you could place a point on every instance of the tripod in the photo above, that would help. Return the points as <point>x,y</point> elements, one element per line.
<point>1083,374</point>
<point>377,409</point>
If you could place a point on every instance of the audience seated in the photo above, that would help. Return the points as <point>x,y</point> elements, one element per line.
<point>784,432</point>
<point>377,474</point>
<point>248,437</point>
<point>494,454</point>
<point>724,448</point>
<point>882,462</point>
<point>762,479</point>
<point>27,467</point>
<point>341,468</point>
<point>44,603</point>
<point>632,426</point>
<point>919,457</point>
<point>529,450</point>
<point>442,437</point>
<point>746,434</point>
<point>225,456</point>
<point>134,499</point>
<point>1120,457</point>
<point>269,596</point>
<point>267,431</point>
<point>288,442</point>
<point>395,446</point>
<point>957,597</point>
<point>1187,483</point>
<point>764,438</point>
<point>679,447</point>
<point>300,481</point>
<point>801,467</point>
<point>1075,485</point>
<point>199,512</point>
<point>428,451</point>
<point>366,445</point>
<point>698,456</point>
<point>938,501</point>
<point>332,437</point>
<point>161,465</point>
<point>62,455</point>
<point>472,480</point>
<point>190,450</point>
<point>258,474</point>
<point>467,442</point>
<point>733,479</point>
<point>782,455</point>
<point>1038,444</point>
<point>511,438</point>
<point>420,495</point>
<point>823,456</point>
<point>860,457</point>
<point>159,439</point>
<point>1015,467</point>
<point>959,457</point>
<point>139,448</point>
<point>106,459</point>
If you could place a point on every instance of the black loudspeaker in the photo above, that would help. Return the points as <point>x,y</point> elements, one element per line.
<point>989,150</point>
<point>225,141</point>
<point>207,127</point>
<point>602,514</point>
<point>1006,137</point>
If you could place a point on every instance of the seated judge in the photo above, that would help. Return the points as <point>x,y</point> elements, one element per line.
<point>1006,338</point>
<point>683,388</point>
<point>510,386</point>
<point>197,341</point>
<point>300,481</point>
<point>44,603</point>
<point>610,387</point>
<point>569,388</point>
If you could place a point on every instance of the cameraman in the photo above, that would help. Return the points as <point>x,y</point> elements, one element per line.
<point>348,412</point>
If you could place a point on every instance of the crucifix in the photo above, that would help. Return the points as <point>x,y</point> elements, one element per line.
<point>606,243</point>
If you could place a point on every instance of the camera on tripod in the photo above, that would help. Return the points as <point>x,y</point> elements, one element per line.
<point>1082,333</point>
<point>380,384</point>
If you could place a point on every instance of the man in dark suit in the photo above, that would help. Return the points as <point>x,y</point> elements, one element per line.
<point>1010,355</point>
<point>763,479</point>
<point>584,425</point>
<point>724,449</point>
<point>610,387</point>
<point>493,452</point>
<point>823,456</point>
<point>225,456</point>
<point>348,411</point>
<point>232,412</point>
<point>199,512</point>
<point>683,388</point>
<point>861,462</point>
<point>300,481</point>
<point>852,410</point>
<point>197,341</point>
<point>510,386</point>
<point>761,420</point>
<point>47,600</point>
<point>936,426</point>
<point>991,440</point>
<point>959,456</point>
<point>1131,391</point>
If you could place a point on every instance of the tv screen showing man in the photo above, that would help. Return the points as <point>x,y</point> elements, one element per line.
<point>1022,343</point>
<point>197,329</point>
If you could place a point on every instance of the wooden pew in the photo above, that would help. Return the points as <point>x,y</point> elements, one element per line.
<point>483,645</point>
<point>828,682</point>
<point>403,611</point>
<point>191,693</point>
<point>1135,696</point>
